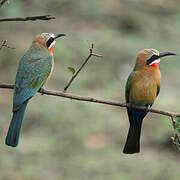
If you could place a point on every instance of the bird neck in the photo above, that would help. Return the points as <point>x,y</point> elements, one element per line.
<point>51,50</point>
<point>155,65</point>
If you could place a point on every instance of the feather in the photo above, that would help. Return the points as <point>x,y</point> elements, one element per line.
<point>33,71</point>
<point>132,144</point>
<point>12,137</point>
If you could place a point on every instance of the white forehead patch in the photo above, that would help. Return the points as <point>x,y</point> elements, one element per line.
<point>52,35</point>
<point>48,35</point>
<point>50,38</point>
<point>152,52</point>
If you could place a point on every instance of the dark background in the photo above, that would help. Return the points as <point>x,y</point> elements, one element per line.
<point>70,140</point>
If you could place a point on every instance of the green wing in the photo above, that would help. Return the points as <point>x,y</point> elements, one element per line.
<point>34,68</point>
<point>128,86</point>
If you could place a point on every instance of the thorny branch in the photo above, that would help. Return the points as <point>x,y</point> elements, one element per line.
<point>4,44</point>
<point>30,18</point>
<point>80,68</point>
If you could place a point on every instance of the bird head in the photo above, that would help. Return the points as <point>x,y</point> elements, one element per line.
<point>150,57</point>
<point>47,40</point>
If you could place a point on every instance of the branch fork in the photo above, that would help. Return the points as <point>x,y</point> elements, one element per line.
<point>4,44</point>
<point>81,67</point>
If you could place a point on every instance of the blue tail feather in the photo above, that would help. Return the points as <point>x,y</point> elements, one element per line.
<point>136,114</point>
<point>133,139</point>
<point>12,137</point>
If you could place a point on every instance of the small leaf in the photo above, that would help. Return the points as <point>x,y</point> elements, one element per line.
<point>71,69</point>
<point>178,125</point>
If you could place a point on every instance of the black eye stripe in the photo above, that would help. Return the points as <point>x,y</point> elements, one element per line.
<point>152,58</point>
<point>49,42</point>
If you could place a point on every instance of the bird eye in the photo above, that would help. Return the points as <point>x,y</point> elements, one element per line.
<point>49,42</point>
<point>152,58</point>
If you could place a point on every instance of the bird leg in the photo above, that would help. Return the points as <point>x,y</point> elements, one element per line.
<point>148,106</point>
<point>41,90</point>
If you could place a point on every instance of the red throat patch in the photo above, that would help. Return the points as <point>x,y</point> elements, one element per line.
<point>51,49</point>
<point>155,65</point>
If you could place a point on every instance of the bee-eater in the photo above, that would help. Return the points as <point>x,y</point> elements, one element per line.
<point>35,67</point>
<point>142,88</point>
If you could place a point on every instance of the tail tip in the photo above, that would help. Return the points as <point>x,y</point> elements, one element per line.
<point>9,143</point>
<point>131,150</point>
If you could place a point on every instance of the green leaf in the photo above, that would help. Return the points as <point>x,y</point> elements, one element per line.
<point>178,125</point>
<point>71,69</point>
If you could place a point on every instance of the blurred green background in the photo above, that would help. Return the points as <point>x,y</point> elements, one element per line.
<point>70,140</point>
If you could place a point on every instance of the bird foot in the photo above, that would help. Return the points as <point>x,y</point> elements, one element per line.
<point>41,90</point>
<point>148,106</point>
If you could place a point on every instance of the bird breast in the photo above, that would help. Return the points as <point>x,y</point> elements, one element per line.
<point>144,86</point>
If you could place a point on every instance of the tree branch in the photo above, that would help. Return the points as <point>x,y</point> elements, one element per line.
<point>31,18</point>
<point>173,116</point>
<point>3,1</point>
<point>4,44</point>
<point>176,138</point>
<point>96,100</point>
<point>80,68</point>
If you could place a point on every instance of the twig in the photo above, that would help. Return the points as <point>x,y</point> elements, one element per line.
<point>175,139</point>
<point>4,44</point>
<point>84,63</point>
<point>173,118</point>
<point>95,100</point>
<point>3,1</point>
<point>31,18</point>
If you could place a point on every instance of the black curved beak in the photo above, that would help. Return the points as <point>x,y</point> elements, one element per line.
<point>59,35</point>
<point>163,54</point>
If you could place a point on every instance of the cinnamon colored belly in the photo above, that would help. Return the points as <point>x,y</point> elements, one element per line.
<point>144,88</point>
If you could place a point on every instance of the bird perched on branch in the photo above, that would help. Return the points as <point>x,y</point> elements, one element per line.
<point>35,67</point>
<point>142,88</point>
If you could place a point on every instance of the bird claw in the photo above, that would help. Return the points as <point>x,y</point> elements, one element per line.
<point>148,106</point>
<point>41,90</point>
